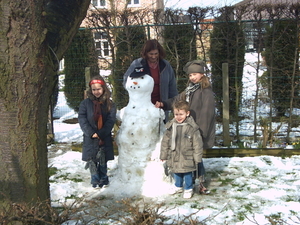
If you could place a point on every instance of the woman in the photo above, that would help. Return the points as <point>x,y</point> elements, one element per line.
<point>153,62</point>
<point>200,96</point>
<point>96,116</point>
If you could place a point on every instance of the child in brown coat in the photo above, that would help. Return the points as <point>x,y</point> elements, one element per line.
<point>182,147</point>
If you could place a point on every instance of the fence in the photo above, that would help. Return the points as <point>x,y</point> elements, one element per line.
<point>263,58</point>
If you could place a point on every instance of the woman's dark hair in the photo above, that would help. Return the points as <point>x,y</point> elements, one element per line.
<point>105,97</point>
<point>153,45</point>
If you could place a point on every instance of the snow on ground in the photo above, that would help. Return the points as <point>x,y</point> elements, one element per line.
<point>243,189</point>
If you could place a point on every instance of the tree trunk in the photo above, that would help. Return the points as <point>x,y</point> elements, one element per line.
<point>34,35</point>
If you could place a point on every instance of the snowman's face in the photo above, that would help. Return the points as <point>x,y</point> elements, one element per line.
<point>140,84</point>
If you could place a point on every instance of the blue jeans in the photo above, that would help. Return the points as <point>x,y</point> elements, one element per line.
<point>101,174</point>
<point>186,178</point>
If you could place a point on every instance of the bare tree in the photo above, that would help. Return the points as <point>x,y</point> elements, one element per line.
<point>228,45</point>
<point>259,25</point>
<point>282,59</point>
<point>202,25</point>
<point>295,16</point>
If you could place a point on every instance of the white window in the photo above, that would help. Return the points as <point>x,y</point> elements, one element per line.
<point>99,3</point>
<point>133,2</point>
<point>102,46</point>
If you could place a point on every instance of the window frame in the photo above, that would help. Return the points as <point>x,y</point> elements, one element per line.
<point>101,44</point>
<point>132,4</point>
<point>99,5</point>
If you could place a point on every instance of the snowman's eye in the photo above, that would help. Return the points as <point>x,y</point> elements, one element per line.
<point>131,78</point>
<point>142,77</point>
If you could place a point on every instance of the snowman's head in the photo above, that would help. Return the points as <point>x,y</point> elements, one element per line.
<point>142,84</point>
<point>139,81</point>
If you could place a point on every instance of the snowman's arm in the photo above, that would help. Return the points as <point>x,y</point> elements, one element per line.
<point>120,114</point>
<point>162,114</point>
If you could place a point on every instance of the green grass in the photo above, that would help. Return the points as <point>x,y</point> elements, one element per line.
<point>52,171</point>
<point>76,180</point>
<point>226,181</point>
<point>63,176</point>
<point>256,172</point>
<point>269,162</point>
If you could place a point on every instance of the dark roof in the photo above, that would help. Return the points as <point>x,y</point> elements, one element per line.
<point>261,2</point>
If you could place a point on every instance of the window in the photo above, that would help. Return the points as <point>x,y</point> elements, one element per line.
<point>99,3</point>
<point>133,2</point>
<point>102,46</point>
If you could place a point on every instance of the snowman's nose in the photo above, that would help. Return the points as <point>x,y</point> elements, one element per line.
<point>135,83</point>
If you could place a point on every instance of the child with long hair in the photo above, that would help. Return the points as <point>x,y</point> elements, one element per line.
<point>97,116</point>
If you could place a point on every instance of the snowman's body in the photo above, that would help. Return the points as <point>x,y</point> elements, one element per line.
<point>141,128</point>
<point>139,137</point>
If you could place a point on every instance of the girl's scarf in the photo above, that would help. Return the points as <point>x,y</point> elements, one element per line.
<point>190,89</point>
<point>174,130</point>
<point>98,117</point>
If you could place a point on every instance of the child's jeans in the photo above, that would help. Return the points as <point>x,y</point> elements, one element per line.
<point>101,174</point>
<point>184,178</point>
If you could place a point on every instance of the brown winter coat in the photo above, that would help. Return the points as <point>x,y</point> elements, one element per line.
<point>188,149</point>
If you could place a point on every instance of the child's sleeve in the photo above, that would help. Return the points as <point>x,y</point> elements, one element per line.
<point>165,146</point>
<point>198,146</point>
<point>85,126</point>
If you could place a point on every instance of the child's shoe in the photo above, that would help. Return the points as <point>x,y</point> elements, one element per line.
<point>188,193</point>
<point>103,182</point>
<point>203,190</point>
<point>175,190</point>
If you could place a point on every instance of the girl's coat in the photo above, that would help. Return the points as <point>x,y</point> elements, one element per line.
<point>89,127</point>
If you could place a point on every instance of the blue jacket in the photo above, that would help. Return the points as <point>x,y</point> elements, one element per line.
<point>89,127</point>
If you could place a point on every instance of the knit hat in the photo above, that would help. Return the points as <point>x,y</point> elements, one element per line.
<point>195,66</point>
<point>138,72</point>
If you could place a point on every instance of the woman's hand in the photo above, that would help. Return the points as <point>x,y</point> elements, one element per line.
<point>159,105</point>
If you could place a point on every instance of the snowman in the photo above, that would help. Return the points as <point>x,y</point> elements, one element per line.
<point>138,139</point>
